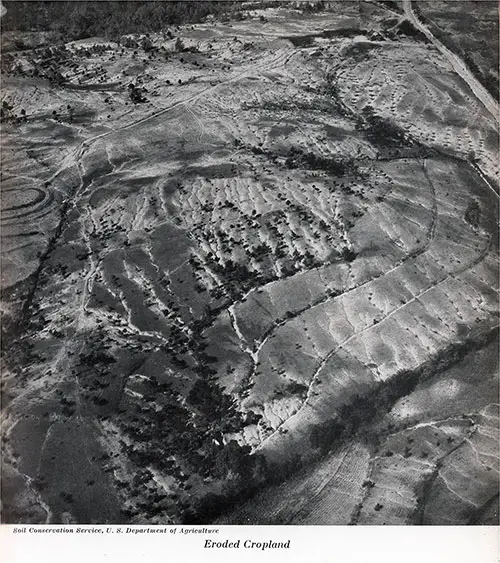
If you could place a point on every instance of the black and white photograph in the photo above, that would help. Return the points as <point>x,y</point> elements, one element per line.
<point>250,264</point>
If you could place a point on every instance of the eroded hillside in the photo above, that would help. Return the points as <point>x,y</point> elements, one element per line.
<point>250,255</point>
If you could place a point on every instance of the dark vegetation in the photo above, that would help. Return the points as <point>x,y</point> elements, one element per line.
<point>86,18</point>
<point>308,39</point>
<point>359,50</point>
<point>7,114</point>
<point>164,430</point>
<point>380,130</point>
<point>136,94</point>
<point>311,161</point>
<point>473,213</point>
<point>487,76</point>
<point>392,5</point>
<point>360,415</point>
<point>488,79</point>
<point>391,140</point>
<point>54,63</point>
<point>182,434</point>
<point>331,92</point>
<point>76,20</point>
<point>262,262</point>
<point>409,30</point>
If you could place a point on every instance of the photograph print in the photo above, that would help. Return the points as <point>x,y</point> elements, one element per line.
<point>249,262</point>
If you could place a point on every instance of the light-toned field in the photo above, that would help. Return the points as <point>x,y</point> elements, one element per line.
<point>234,265</point>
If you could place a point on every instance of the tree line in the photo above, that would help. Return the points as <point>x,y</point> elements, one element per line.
<point>76,20</point>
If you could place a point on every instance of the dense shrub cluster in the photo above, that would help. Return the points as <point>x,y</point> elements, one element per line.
<point>311,161</point>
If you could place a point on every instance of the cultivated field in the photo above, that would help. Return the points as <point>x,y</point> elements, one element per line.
<point>250,273</point>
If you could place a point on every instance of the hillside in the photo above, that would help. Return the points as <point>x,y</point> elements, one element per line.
<point>249,274</point>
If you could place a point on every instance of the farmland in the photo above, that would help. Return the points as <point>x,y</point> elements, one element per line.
<point>250,274</point>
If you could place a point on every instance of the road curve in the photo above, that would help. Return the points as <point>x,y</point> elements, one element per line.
<point>458,65</point>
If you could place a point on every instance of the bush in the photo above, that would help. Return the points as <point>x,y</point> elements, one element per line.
<point>348,254</point>
<point>473,213</point>
<point>179,45</point>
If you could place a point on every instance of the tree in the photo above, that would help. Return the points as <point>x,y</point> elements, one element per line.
<point>471,156</point>
<point>179,45</point>
<point>348,254</point>
<point>146,43</point>
<point>135,94</point>
<point>5,110</point>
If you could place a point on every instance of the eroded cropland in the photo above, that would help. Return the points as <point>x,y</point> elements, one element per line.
<point>265,293</point>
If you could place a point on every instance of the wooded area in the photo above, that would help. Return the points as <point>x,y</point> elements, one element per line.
<point>76,20</point>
